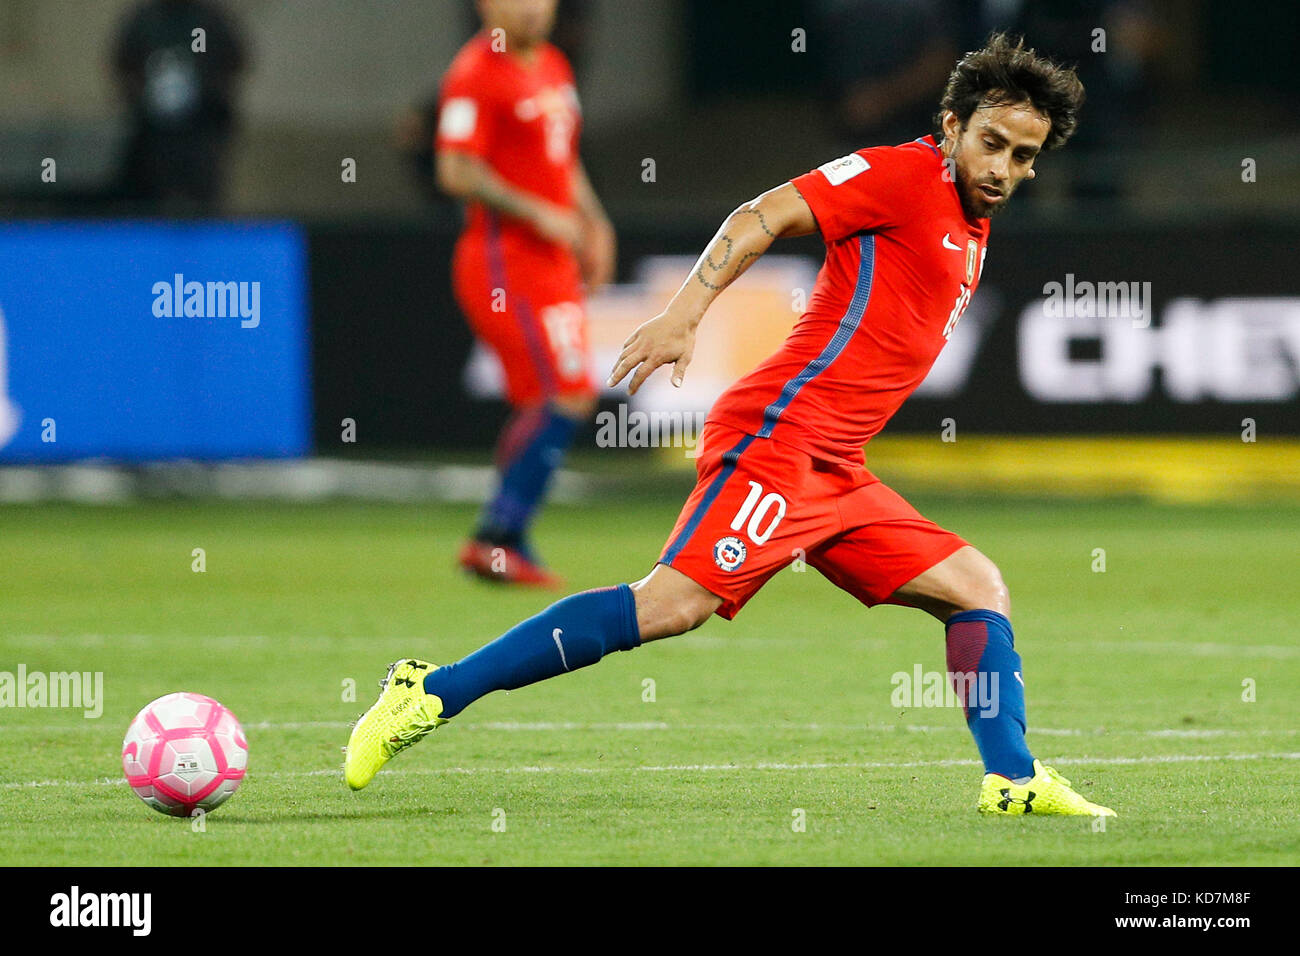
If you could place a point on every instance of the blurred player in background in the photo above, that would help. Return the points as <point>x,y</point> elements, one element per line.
<point>781,470</point>
<point>180,89</point>
<point>535,240</point>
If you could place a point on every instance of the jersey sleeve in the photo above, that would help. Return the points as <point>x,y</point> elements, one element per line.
<point>466,115</point>
<point>862,191</point>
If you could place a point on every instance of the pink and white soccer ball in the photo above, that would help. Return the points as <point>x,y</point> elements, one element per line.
<point>184,752</point>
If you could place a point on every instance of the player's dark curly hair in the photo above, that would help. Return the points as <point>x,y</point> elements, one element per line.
<point>1005,72</point>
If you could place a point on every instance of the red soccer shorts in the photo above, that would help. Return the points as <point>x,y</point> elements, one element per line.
<point>526,304</point>
<point>759,505</point>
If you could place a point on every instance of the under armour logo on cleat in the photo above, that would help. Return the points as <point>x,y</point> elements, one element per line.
<point>404,682</point>
<point>1008,799</point>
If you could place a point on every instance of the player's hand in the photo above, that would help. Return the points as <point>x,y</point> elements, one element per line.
<point>665,338</point>
<point>558,225</point>
<point>597,255</point>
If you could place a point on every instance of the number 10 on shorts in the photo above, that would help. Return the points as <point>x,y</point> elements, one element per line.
<point>756,511</point>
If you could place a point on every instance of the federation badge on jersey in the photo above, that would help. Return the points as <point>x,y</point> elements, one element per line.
<point>729,553</point>
<point>839,171</point>
<point>972,255</point>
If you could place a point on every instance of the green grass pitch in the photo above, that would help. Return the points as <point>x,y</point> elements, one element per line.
<point>1136,677</point>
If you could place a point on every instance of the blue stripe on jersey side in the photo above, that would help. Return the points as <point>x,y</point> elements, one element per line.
<point>848,325</point>
<point>520,308</point>
<point>921,140</point>
<point>729,459</point>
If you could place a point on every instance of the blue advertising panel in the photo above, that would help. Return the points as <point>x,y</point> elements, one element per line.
<point>142,341</point>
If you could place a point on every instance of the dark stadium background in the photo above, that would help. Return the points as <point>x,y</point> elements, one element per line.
<point>1151,189</point>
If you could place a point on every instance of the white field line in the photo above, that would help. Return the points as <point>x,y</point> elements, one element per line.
<point>510,726</point>
<point>1201,648</point>
<point>703,768</point>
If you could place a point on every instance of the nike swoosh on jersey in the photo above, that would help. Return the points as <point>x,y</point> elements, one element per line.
<point>948,243</point>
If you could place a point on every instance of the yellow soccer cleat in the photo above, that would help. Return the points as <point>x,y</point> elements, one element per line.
<point>1047,794</point>
<point>403,715</point>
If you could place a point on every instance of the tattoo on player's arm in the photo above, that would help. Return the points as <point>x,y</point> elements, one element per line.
<point>699,274</point>
<point>710,270</point>
<point>743,264</point>
<point>717,268</point>
<point>762,220</point>
<point>816,225</point>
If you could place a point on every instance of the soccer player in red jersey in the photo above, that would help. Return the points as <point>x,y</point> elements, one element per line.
<point>781,469</point>
<point>535,240</point>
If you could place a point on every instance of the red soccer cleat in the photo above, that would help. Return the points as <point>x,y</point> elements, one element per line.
<point>503,565</point>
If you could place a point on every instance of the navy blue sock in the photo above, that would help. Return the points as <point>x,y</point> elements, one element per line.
<point>985,670</point>
<point>532,447</point>
<point>572,633</point>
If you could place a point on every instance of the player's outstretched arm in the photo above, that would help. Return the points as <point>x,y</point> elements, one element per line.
<point>744,236</point>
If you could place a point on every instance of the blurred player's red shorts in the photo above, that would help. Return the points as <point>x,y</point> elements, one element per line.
<point>760,505</point>
<point>524,300</point>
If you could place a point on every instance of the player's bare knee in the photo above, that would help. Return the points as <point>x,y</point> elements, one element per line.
<point>999,595</point>
<point>669,603</point>
<point>985,590</point>
<point>686,613</point>
<point>698,609</point>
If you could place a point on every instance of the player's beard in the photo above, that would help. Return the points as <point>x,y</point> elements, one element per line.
<point>973,201</point>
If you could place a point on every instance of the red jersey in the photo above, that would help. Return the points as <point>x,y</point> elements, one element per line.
<point>522,120</point>
<point>902,260</point>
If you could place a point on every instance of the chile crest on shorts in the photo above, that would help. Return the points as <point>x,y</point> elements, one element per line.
<point>729,553</point>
